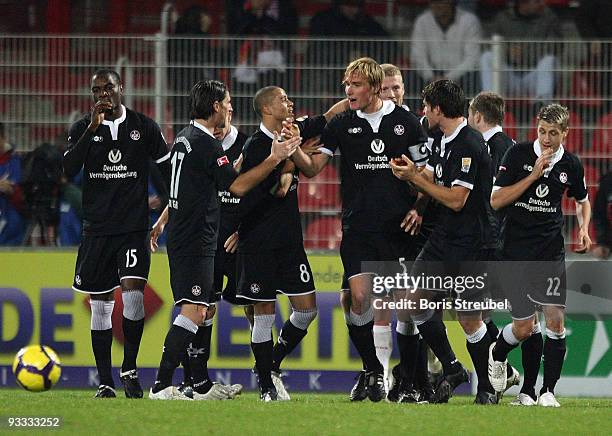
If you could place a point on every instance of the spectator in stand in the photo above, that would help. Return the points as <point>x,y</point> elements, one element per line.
<point>348,19</point>
<point>602,216</point>
<point>345,18</point>
<point>12,225</point>
<point>188,49</point>
<point>593,21</point>
<point>528,68</point>
<point>445,45</point>
<point>266,17</point>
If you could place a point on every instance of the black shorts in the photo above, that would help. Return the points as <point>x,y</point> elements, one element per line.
<point>103,261</point>
<point>191,279</point>
<point>529,284</point>
<point>453,267</point>
<point>263,275</point>
<point>225,266</point>
<point>357,247</point>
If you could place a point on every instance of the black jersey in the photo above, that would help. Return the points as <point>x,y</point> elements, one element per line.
<point>266,221</point>
<point>200,168</point>
<point>498,144</point>
<point>462,159</point>
<point>232,146</point>
<point>535,218</point>
<point>116,172</point>
<point>373,199</point>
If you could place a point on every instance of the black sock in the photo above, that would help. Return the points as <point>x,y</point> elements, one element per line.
<point>174,349</point>
<point>492,329</point>
<point>409,351</point>
<point>531,350</point>
<point>479,352</point>
<point>351,333</point>
<point>434,333</point>
<point>554,354</point>
<point>502,349</point>
<point>421,378</point>
<point>289,338</point>
<point>132,334</point>
<point>263,362</point>
<point>199,352</point>
<point>101,341</point>
<point>186,369</point>
<point>363,339</point>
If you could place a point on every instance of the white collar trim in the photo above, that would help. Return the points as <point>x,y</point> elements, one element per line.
<point>387,108</point>
<point>114,124</point>
<point>537,148</point>
<point>266,132</point>
<point>445,140</point>
<point>230,138</point>
<point>202,128</point>
<point>492,131</point>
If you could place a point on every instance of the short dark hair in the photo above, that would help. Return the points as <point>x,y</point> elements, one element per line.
<point>202,97</point>
<point>491,106</point>
<point>262,98</point>
<point>107,72</point>
<point>447,95</point>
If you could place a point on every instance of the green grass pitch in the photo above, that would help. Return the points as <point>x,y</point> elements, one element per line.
<point>309,414</point>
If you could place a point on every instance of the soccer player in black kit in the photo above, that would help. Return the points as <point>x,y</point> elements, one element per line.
<point>200,169</point>
<point>232,141</point>
<point>114,146</point>
<point>529,188</point>
<point>374,203</point>
<point>271,257</point>
<point>458,176</point>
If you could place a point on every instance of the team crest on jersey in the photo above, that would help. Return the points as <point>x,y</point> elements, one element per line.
<point>377,145</point>
<point>255,288</point>
<point>398,130</point>
<point>77,280</point>
<point>354,130</point>
<point>135,135</point>
<point>542,190</point>
<point>466,162</point>
<point>527,167</point>
<point>563,177</point>
<point>96,138</point>
<point>114,155</point>
<point>196,290</point>
<point>222,161</point>
<point>439,171</point>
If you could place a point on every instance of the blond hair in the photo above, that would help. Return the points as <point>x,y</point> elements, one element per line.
<point>369,69</point>
<point>390,70</point>
<point>555,114</point>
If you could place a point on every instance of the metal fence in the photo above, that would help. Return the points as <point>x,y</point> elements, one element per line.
<point>45,85</point>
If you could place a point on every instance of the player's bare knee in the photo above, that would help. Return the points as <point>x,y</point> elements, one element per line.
<point>522,329</point>
<point>210,312</point>
<point>264,308</point>
<point>106,296</point>
<point>555,318</point>
<point>470,325</point>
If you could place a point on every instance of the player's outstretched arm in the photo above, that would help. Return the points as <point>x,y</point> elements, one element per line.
<point>310,165</point>
<point>583,213</point>
<point>506,195</point>
<point>158,229</point>
<point>74,157</point>
<point>280,151</point>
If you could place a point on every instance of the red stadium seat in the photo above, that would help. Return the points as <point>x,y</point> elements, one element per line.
<point>323,234</point>
<point>602,136</point>
<point>510,125</point>
<point>321,193</point>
